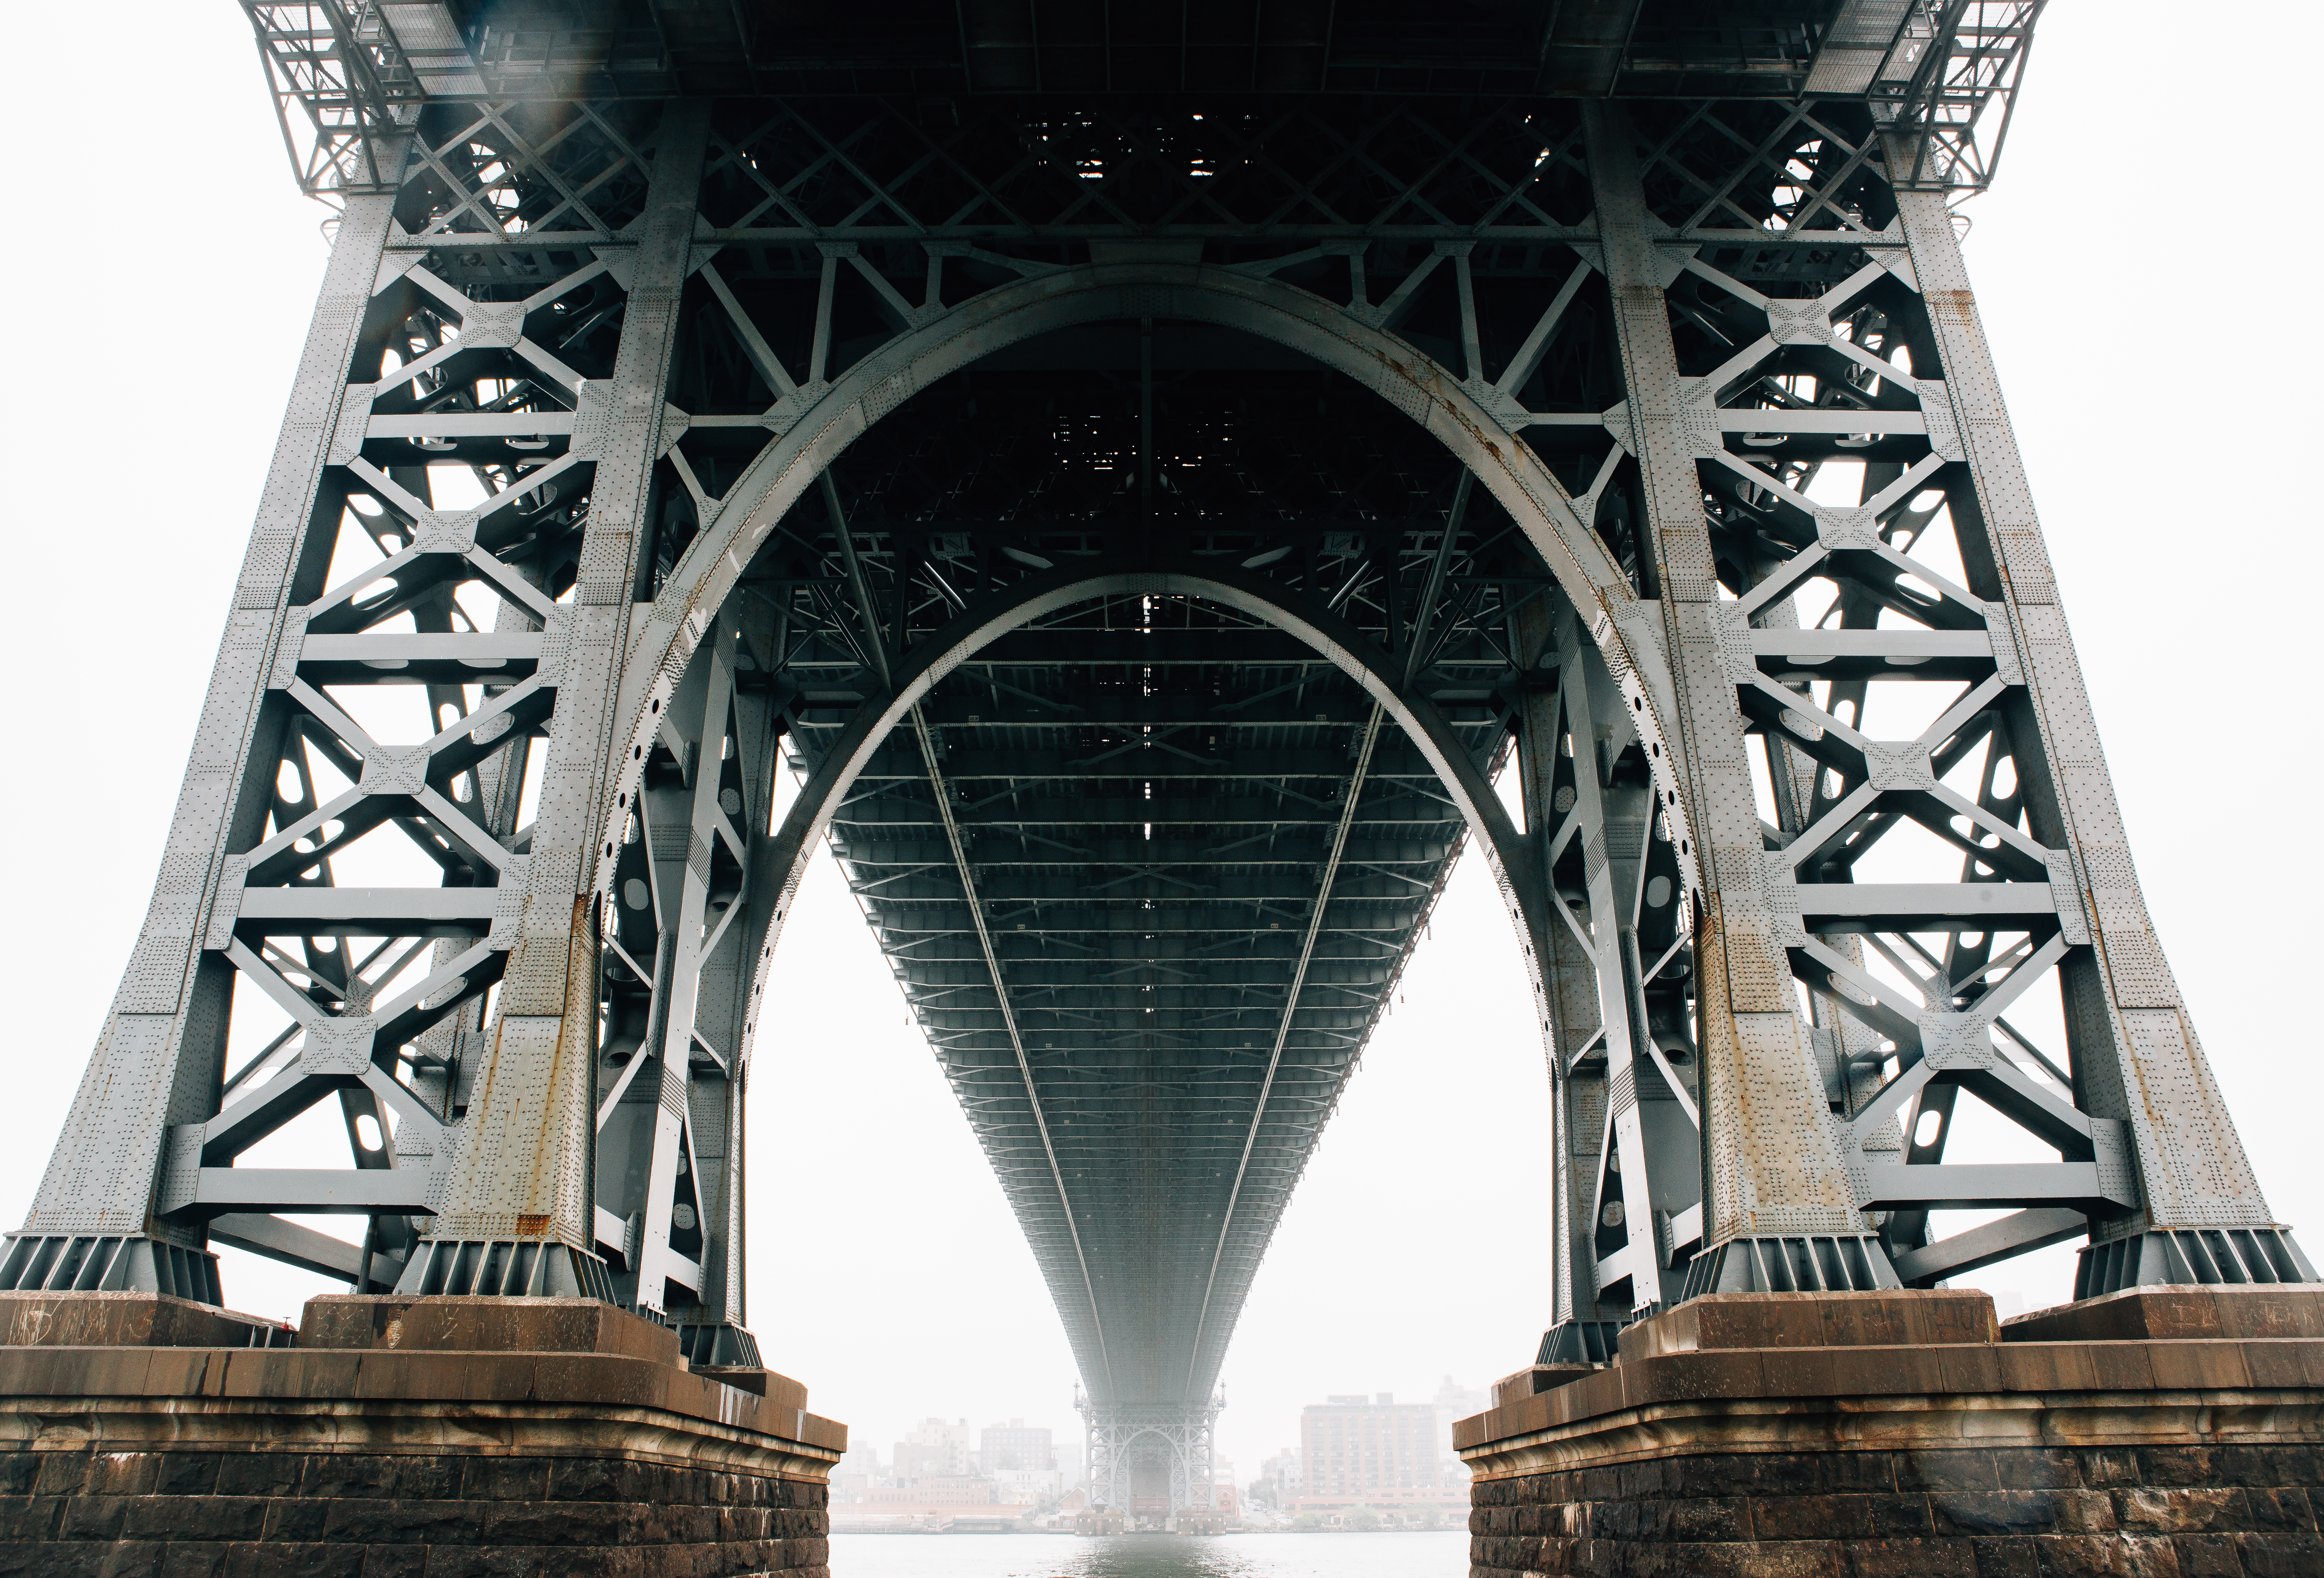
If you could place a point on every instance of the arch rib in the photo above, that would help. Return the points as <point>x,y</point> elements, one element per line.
<point>1623,626</point>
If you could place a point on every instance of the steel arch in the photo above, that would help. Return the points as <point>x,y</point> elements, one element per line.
<point>1456,413</point>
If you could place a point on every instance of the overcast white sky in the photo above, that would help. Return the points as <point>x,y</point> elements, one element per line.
<point>2136,271</point>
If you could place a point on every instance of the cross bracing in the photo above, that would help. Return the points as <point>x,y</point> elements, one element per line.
<point>1143,529</point>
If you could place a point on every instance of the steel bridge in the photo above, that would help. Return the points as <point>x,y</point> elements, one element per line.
<point>1145,470</point>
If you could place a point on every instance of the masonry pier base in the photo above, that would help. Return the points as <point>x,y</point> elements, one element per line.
<point>427,1438</point>
<point>2170,1432</point>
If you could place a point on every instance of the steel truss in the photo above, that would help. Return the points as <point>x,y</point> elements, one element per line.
<point>1144,533</point>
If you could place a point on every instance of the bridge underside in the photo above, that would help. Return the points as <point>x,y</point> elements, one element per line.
<point>1149,866</point>
<point>1144,472</point>
<point>1146,483</point>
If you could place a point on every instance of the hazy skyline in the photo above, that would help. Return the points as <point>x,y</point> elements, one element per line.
<point>2166,414</point>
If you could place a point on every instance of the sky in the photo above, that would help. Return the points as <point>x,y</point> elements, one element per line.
<point>2159,377</point>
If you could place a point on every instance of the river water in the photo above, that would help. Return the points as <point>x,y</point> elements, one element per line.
<point>1436,1553</point>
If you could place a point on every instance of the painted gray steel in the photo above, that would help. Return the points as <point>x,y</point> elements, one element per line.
<point>1141,525</point>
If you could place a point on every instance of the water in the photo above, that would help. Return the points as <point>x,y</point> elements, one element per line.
<point>1436,1554</point>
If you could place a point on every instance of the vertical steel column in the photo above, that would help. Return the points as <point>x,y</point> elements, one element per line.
<point>721,1015</point>
<point>1570,983</point>
<point>1627,1143</point>
<point>523,1172</point>
<point>160,1058</point>
<point>2135,1057</point>
<point>1772,1166</point>
<point>686,826</point>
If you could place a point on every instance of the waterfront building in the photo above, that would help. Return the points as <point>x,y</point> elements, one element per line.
<point>1360,1449</point>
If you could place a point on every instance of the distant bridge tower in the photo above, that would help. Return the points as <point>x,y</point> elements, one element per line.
<point>1130,1445</point>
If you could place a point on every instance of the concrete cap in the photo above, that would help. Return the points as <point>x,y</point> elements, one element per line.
<point>126,1320</point>
<point>2137,1314</point>
<point>747,1378</point>
<point>1905,1317</point>
<point>447,1324</point>
<point>1536,1378</point>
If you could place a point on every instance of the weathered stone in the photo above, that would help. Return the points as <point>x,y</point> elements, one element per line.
<point>2139,1437</point>
<point>400,1440</point>
<point>1537,1378</point>
<point>127,1320</point>
<point>2138,1314</point>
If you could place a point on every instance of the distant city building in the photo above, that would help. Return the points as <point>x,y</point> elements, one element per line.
<point>1015,1446</point>
<point>942,1470</point>
<point>933,1491</point>
<point>1279,1481</point>
<point>1359,1450</point>
<point>934,1449</point>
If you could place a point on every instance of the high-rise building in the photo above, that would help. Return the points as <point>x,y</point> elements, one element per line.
<point>1359,1446</point>
<point>1015,1446</point>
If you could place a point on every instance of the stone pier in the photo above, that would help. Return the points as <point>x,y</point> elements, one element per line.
<point>418,1438</point>
<point>2158,1433</point>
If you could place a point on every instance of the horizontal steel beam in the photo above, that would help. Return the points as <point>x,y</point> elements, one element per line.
<point>1855,906</point>
<point>1296,844</point>
<point>1360,915</point>
<point>314,1190</point>
<point>295,1245</point>
<point>1971,1186</point>
<point>1980,1247</point>
<point>367,911</point>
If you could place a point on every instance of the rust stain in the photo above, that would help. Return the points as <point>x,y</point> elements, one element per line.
<point>530,1223</point>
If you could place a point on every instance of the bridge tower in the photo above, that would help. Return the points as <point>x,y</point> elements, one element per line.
<point>1139,477</point>
<point>1133,1450</point>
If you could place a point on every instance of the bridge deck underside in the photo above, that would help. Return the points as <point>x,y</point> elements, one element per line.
<point>1149,793</point>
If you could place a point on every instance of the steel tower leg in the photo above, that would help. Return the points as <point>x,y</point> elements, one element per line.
<point>491,1120</point>
<point>1773,1174</point>
<point>522,1178</point>
<point>2199,1215</point>
<point>1816,1134</point>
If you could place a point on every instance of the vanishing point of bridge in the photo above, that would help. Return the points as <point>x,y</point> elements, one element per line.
<point>1145,471</point>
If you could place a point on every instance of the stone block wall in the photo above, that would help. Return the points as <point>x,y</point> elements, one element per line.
<point>2159,1511</point>
<point>2172,1433</point>
<point>288,1513</point>
<point>404,1438</point>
